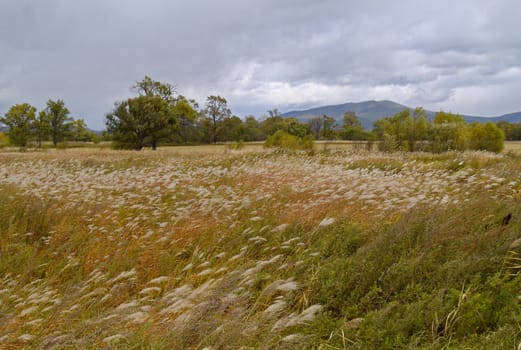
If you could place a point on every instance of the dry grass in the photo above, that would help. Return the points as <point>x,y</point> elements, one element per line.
<point>190,247</point>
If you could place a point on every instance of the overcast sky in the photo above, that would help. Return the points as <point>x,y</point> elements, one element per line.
<point>463,56</point>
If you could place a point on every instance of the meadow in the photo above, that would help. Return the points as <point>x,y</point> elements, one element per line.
<point>218,248</point>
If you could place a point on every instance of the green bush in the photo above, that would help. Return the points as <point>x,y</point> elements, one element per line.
<point>236,145</point>
<point>486,137</point>
<point>4,140</point>
<point>433,277</point>
<point>283,140</point>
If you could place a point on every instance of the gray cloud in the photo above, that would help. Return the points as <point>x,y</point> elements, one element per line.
<point>464,56</point>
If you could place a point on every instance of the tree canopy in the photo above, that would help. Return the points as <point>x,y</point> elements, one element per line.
<point>146,119</point>
<point>20,120</point>
<point>59,120</point>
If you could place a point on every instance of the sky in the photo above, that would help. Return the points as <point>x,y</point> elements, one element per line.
<point>462,56</point>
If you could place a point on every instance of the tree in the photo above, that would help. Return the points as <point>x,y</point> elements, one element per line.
<point>230,129</point>
<point>79,131</point>
<point>274,113</point>
<point>59,120</point>
<point>138,122</point>
<point>42,128</point>
<point>217,109</point>
<point>352,128</point>
<point>351,120</point>
<point>272,124</point>
<point>417,130</point>
<point>448,132</point>
<point>328,127</point>
<point>152,88</point>
<point>252,130</point>
<point>315,125</point>
<point>20,119</point>
<point>185,112</point>
<point>486,137</point>
<point>294,127</point>
<point>512,130</point>
<point>145,119</point>
<point>394,131</point>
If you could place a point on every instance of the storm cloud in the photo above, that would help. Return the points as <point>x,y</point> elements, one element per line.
<point>463,56</point>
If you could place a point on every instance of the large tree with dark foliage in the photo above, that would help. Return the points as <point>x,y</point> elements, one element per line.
<point>146,119</point>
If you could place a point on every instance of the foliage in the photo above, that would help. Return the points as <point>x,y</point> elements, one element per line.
<point>58,118</point>
<point>446,132</point>
<point>486,137</point>
<point>272,124</point>
<point>148,118</point>
<point>352,128</point>
<point>284,140</point>
<point>323,127</point>
<point>231,128</point>
<point>217,109</point>
<point>79,132</point>
<point>4,140</point>
<point>512,130</point>
<point>42,128</point>
<point>449,132</point>
<point>186,113</point>
<point>19,119</point>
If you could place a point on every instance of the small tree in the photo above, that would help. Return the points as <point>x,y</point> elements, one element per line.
<point>79,131</point>
<point>20,119</point>
<point>352,128</point>
<point>230,129</point>
<point>328,127</point>
<point>59,120</point>
<point>448,132</point>
<point>395,132</point>
<point>42,128</point>
<point>315,126</point>
<point>294,127</point>
<point>217,109</point>
<point>272,123</point>
<point>252,129</point>
<point>417,130</point>
<point>186,113</point>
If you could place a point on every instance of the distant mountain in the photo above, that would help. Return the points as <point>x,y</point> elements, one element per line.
<point>370,111</point>
<point>510,117</point>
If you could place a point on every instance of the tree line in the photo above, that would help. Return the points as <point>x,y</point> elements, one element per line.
<point>53,123</point>
<point>158,115</point>
<point>406,131</point>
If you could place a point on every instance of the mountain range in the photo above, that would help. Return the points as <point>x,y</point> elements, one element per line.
<point>370,111</point>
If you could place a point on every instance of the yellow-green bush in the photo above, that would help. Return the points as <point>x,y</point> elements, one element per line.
<point>486,137</point>
<point>283,140</point>
<point>4,140</point>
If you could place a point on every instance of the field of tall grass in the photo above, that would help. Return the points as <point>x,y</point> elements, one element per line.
<point>215,248</point>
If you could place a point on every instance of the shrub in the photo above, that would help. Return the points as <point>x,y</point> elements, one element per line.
<point>4,140</point>
<point>283,140</point>
<point>236,145</point>
<point>486,137</point>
